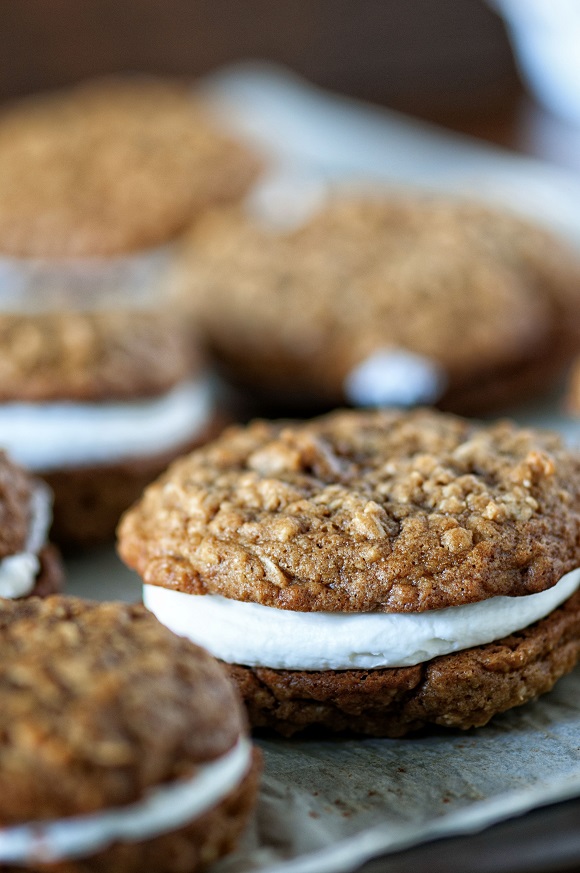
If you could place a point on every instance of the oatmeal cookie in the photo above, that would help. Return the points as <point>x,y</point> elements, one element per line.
<point>102,708</point>
<point>370,571</point>
<point>97,404</point>
<point>92,498</point>
<point>379,301</point>
<point>111,166</point>
<point>109,355</point>
<point>573,393</point>
<point>101,384</point>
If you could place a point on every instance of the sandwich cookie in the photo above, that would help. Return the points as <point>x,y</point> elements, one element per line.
<point>123,746</point>
<point>378,300</point>
<point>98,403</point>
<point>29,565</point>
<point>379,572</point>
<point>101,385</point>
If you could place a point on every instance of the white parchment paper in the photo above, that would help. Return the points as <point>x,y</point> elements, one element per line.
<point>329,806</point>
<point>318,136</point>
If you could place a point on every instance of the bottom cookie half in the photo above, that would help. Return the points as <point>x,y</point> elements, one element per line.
<point>462,690</point>
<point>186,850</point>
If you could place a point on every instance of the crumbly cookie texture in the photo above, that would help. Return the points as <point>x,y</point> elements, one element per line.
<point>362,511</point>
<point>98,703</point>
<point>111,166</point>
<point>108,355</point>
<point>475,290</point>
<point>462,690</point>
<point>16,487</point>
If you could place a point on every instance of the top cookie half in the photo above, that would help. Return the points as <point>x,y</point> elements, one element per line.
<point>111,166</point>
<point>359,511</point>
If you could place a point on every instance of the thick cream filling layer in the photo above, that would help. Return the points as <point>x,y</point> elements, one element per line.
<point>162,810</point>
<point>18,572</point>
<point>48,436</point>
<point>261,636</point>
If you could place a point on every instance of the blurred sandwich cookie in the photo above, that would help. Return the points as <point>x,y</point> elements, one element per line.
<point>100,383</point>
<point>29,565</point>
<point>117,165</point>
<point>123,747</point>
<point>378,300</point>
<point>98,403</point>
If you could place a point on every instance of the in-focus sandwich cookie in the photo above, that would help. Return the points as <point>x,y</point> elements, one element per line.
<point>100,387</point>
<point>123,747</point>
<point>383,301</point>
<point>377,572</point>
<point>29,565</point>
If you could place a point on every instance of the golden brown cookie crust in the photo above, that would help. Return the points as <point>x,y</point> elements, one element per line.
<point>461,690</point>
<point>191,848</point>
<point>114,165</point>
<point>98,703</point>
<point>473,289</point>
<point>362,511</point>
<point>93,356</point>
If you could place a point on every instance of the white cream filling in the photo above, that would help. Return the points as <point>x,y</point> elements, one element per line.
<point>261,636</point>
<point>18,572</point>
<point>30,285</point>
<point>394,377</point>
<point>162,810</point>
<point>48,436</point>
<point>286,199</point>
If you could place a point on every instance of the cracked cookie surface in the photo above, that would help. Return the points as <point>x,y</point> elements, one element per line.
<point>362,511</point>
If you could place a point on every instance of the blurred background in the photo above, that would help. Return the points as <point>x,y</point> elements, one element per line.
<point>449,61</point>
